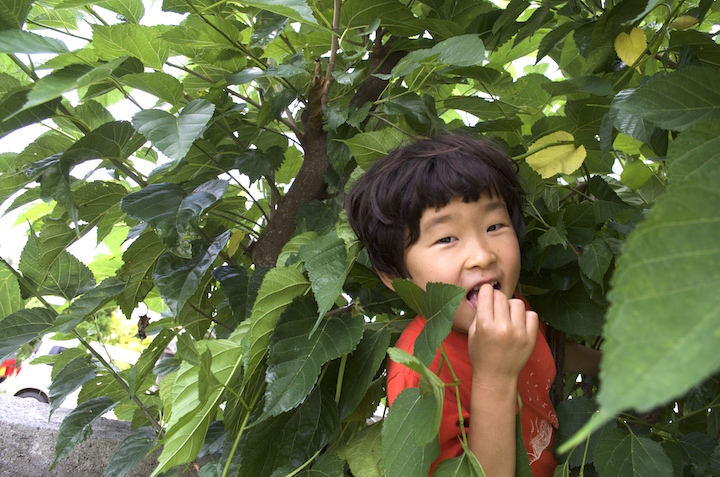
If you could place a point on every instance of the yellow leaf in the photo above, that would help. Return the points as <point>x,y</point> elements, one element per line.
<point>683,21</point>
<point>630,47</point>
<point>555,159</point>
<point>234,242</point>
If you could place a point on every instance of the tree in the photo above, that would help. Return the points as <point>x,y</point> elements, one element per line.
<point>265,112</point>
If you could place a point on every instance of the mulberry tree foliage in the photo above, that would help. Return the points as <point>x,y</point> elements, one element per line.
<point>205,148</point>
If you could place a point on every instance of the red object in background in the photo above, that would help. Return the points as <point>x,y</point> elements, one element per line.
<point>7,368</point>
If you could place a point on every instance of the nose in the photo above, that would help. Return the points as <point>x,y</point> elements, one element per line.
<point>479,254</point>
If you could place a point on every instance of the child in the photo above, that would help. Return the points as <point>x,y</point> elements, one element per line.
<point>449,210</point>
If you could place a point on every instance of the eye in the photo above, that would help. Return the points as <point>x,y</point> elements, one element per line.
<point>494,227</point>
<point>447,240</point>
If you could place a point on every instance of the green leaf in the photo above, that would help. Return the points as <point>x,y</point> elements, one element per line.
<point>13,14</point>
<point>10,299</point>
<point>279,287</point>
<point>595,259</point>
<point>73,375</point>
<point>572,415</point>
<point>676,100</point>
<point>77,426</point>
<point>433,391</point>
<point>667,270</point>
<point>98,202</point>
<point>368,147</point>
<point>289,439</point>
<point>165,87</point>
<point>22,327</point>
<point>297,355</point>
<point>142,42</point>
<point>608,204</point>
<point>297,10</point>
<point>234,282</point>
<point>437,304</point>
<point>361,368</point>
<point>622,454</point>
<point>174,136</point>
<point>190,418</point>
<point>364,450</point>
<point>571,311</point>
<point>401,456</point>
<point>113,140</point>
<point>326,263</point>
<point>56,83</point>
<point>20,41</point>
<point>138,264</point>
<point>129,453</point>
<point>460,466</point>
<point>257,164</point>
<point>697,448</point>
<point>87,304</point>
<point>695,152</point>
<point>459,51</point>
<point>178,279</point>
<point>148,358</point>
<point>130,10</point>
<point>11,116</point>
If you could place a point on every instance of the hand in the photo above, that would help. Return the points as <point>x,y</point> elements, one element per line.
<point>502,336</point>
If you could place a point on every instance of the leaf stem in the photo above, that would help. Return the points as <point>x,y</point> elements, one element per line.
<point>456,384</point>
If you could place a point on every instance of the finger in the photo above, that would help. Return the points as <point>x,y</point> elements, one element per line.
<point>532,323</point>
<point>486,303</point>
<point>517,313</point>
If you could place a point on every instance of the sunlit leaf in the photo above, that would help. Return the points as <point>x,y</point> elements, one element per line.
<point>142,42</point>
<point>190,417</point>
<point>297,10</point>
<point>630,47</point>
<point>20,41</point>
<point>370,146</point>
<point>10,299</point>
<point>551,159</point>
<point>279,288</point>
<point>165,87</point>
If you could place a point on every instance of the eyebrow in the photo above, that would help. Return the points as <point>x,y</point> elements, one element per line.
<point>488,207</point>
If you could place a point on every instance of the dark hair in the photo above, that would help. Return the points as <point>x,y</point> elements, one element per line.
<point>385,205</point>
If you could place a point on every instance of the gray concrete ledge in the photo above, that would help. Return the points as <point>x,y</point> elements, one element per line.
<point>27,443</point>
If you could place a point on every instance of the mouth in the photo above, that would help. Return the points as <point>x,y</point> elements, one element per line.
<point>472,295</point>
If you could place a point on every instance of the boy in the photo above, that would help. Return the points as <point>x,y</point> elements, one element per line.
<point>449,210</point>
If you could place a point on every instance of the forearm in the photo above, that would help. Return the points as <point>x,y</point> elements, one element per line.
<point>491,434</point>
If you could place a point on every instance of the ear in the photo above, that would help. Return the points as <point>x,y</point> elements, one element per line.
<point>386,278</point>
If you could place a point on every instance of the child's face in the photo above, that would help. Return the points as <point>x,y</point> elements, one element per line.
<point>466,244</point>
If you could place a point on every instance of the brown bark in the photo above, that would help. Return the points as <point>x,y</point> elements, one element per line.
<point>310,184</point>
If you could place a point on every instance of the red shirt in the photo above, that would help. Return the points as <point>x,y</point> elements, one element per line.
<point>537,418</point>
